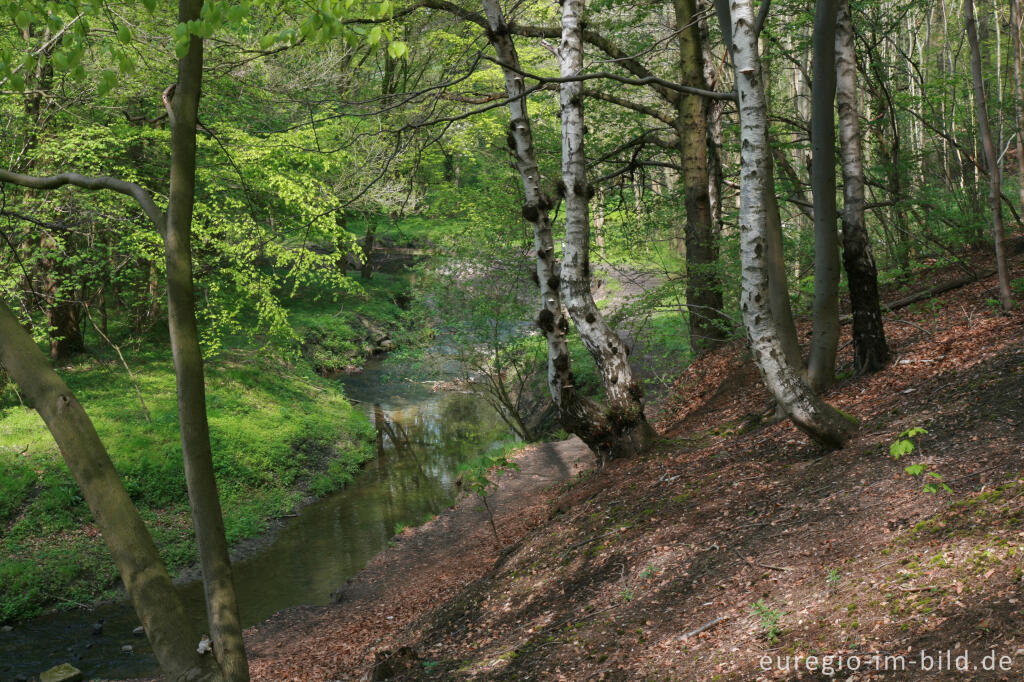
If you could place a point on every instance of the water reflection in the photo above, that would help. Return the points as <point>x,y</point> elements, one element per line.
<point>422,439</point>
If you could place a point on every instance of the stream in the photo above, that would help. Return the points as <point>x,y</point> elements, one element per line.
<point>423,438</point>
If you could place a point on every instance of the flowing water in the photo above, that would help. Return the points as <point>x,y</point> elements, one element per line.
<point>423,437</point>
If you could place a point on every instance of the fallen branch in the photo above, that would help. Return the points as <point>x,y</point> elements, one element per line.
<point>707,626</point>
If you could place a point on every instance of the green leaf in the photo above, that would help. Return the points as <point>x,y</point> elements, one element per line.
<point>17,82</point>
<point>22,20</point>
<point>900,448</point>
<point>374,36</point>
<point>237,13</point>
<point>915,469</point>
<point>267,41</point>
<point>124,35</point>
<point>107,82</point>
<point>149,4</point>
<point>398,49</point>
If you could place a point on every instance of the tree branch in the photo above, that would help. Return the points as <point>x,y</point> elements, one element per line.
<point>649,80</point>
<point>141,196</point>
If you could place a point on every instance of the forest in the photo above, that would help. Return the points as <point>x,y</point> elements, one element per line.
<point>424,339</point>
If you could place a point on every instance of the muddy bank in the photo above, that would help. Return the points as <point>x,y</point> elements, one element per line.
<point>422,568</point>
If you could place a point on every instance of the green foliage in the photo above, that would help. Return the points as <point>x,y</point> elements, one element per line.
<point>769,620</point>
<point>479,475</point>
<point>904,445</point>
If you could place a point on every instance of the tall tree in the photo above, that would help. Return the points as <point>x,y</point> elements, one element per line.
<point>870,349</point>
<point>821,363</point>
<point>221,603</point>
<point>769,335</point>
<point>703,278</point>
<point>577,413</point>
<point>625,412</point>
<point>991,157</point>
<point>1016,26</point>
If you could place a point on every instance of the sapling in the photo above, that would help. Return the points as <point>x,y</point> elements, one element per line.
<point>474,478</point>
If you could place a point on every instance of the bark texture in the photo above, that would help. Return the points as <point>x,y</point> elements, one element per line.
<point>768,344</point>
<point>1016,21</point>
<point>577,414</point>
<point>870,349</point>
<point>625,414</point>
<point>708,327</point>
<point>221,603</point>
<point>155,598</point>
<point>991,156</point>
<point>821,364</point>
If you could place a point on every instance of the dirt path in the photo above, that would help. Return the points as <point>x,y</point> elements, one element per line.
<point>424,567</point>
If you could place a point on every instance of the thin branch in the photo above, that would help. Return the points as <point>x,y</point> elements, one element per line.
<point>649,80</point>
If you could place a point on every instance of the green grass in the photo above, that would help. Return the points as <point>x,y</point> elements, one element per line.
<point>333,336</point>
<point>276,429</point>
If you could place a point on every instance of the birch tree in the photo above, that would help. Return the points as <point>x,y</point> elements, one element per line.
<point>768,335</point>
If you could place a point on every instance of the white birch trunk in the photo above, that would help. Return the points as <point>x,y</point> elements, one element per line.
<point>623,391</point>
<point>577,414</point>
<point>757,188</point>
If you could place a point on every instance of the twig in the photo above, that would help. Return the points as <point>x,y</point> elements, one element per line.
<point>973,473</point>
<point>920,589</point>
<point>131,377</point>
<point>587,542</point>
<point>760,565</point>
<point>912,324</point>
<point>707,626</point>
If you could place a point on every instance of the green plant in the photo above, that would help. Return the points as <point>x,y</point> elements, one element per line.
<point>400,527</point>
<point>832,578</point>
<point>904,445</point>
<point>649,571</point>
<point>627,595</point>
<point>474,476</point>
<point>770,618</point>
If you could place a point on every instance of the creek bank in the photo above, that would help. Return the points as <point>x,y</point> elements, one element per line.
<point>420,570</point>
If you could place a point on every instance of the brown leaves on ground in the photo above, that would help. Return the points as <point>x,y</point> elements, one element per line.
<point>845,554</point>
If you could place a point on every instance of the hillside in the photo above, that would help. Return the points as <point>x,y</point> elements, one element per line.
<point>736,530</point>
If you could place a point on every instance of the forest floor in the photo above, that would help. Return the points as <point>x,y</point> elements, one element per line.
<point>735,540</point>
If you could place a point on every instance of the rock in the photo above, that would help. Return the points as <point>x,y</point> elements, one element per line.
<point>65,672</point>
<point>139,631</point>
<point>6,628</point>
<point>127,649</point>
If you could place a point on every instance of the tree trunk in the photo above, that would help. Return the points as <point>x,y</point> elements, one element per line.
<point>625,396</point>
<point>577,414</point>
<point>870,350</point>
<point>708,328</point>
<point>768,339</point>
<point>1016,21</point>
<point>985,131</point>
<point>154,597</point>
<point>821,365</point>
<point>221,604</point>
